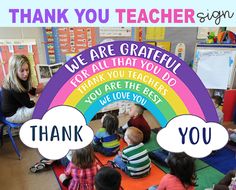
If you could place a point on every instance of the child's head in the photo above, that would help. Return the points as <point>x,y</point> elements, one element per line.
<point>217,100</point>
<point>136,110</point>
<point>133,136</point>
<point>107,178</point>
<point>110,123</point>
<point>182,166</point>
<point>19,70</point>
<point>84,157</point>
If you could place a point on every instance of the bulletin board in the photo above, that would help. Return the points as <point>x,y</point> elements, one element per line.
<point>215,65</point>
<point>9,47</point>
<point>60,41</point>
<point>175,35</point>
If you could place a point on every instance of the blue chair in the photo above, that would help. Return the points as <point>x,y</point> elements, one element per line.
<point>10,126</point>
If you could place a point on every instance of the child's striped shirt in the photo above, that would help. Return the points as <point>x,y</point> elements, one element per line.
<point>137,159</point>
<point>109,142</point>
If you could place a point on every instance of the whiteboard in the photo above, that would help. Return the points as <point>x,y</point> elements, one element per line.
<point>215,66</point>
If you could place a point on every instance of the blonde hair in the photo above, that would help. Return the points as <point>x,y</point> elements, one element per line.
<point>135,135</point>
<point>12,81</point>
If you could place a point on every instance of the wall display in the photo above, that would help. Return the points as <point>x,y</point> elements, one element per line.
<point>49,45</point>
<point>155,33</point>
<point>164,45</point>
<point>138,34</point>
<point>65,40</point>
<point>76,39</point>
<point>115,31</point>
<point>180,50</point>
<point>9,47</point>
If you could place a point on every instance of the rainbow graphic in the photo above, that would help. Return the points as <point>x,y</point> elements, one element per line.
<point>101,79</point>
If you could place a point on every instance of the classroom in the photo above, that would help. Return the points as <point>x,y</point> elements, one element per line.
<point>209,51</point>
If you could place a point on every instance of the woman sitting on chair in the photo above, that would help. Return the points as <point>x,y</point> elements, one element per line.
<point>16,104</point>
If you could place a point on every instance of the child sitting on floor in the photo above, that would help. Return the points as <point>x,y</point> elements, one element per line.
<point>107,179</point>
<point>106,140</point>
<point>182,173</point>
<point>217,100</point>
<point>81,171</point>
<point>228,182</point>
<point>137,120</point>
<point>134,159</point>
<point>232,135</point>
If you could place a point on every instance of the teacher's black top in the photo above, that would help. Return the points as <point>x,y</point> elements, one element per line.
<point>12,100</point>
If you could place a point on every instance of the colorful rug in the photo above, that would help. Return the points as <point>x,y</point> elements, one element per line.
<point>207,177</point>
<point>58,170</point>
<point>223,160</point>
<point>153,178</point>
<point>209,170</point>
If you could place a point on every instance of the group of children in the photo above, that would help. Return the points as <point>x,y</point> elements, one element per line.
<point>81,166</point>
<point>134,159</point>
<point>82,171</point>
<point>217,100</point>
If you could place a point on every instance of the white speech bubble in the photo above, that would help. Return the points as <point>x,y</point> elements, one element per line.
<point>64,127</point>
<point>185,133</point>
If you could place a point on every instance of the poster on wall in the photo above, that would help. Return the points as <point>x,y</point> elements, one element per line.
<point>60,41</point>
<point>76,39</point>
<point>155,33</point>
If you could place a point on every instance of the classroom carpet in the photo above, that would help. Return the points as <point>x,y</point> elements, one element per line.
<point>231,146</point>
<point>58,170</point>
<point>223,160</point>
<point>207,177</point>
<point>209,170</point>
<point>127,182</point>
<point>199,165</point>
<point>150,146</point>
<point>142,183</point>
<point>153,178</point>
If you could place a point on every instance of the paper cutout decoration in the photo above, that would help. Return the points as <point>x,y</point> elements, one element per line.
<point>155,33</point>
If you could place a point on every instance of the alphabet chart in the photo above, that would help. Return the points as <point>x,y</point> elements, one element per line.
<point>66,40</point>
<point>76,39</point>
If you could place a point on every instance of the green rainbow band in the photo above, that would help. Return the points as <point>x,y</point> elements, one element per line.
<point>164,106</point>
